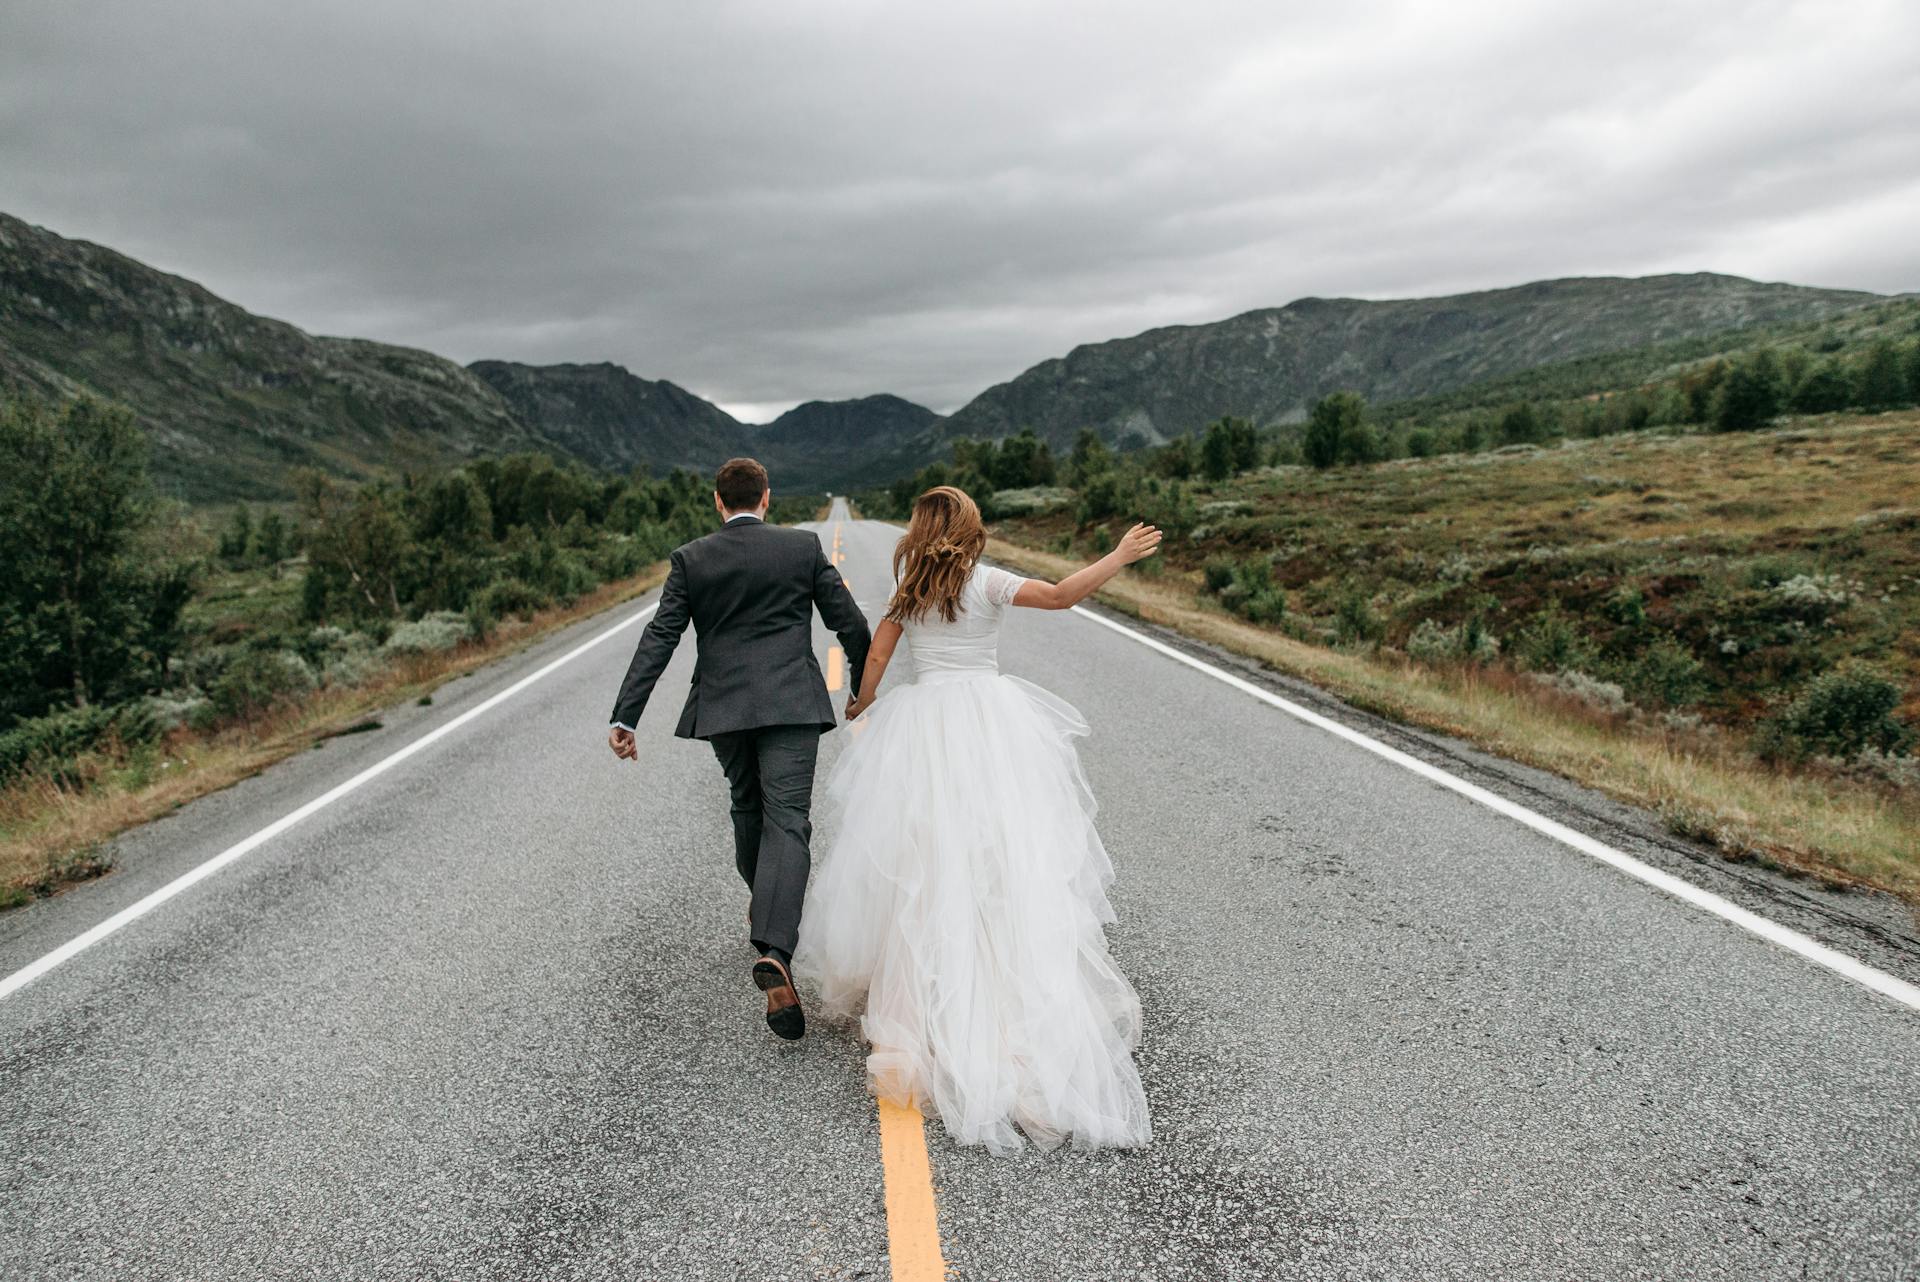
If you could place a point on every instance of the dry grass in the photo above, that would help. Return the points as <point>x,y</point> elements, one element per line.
<point>1842,832</point>
<point>52,834</point>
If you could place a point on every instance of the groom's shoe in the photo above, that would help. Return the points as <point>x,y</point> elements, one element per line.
<point>784,1015</point>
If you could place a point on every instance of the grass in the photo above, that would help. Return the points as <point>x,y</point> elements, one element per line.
<point>1692,533</point>
<point>54,833</point>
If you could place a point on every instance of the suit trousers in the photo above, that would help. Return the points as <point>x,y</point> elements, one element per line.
<point>770,773</point>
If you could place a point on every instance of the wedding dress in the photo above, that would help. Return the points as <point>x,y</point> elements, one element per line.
<point>960,909</point>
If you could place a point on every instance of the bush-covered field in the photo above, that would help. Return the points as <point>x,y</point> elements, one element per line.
<point>139,640</point>
<point>1754,594</point>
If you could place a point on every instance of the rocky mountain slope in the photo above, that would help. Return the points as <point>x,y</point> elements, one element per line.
<point>1271,364</point>
<point>871,440</point>
<point>233,401</point>
<point>610,418</point>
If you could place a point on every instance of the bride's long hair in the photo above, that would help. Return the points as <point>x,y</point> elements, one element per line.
<point>933,558</point>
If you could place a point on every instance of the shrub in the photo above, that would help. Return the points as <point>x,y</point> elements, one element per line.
<point>1266,606</point>
<point>1433,641</point>
<point>1898,771</point>
<point>1666,674</point>
<point>1035,500</point>
<point>257,681</point>
<point>1354,621</point>
<point>511,597</point>
<point>1100,498</point>
<point>1552,640</point>
<point>1218,573</point>
<point>1812,596</point>
<point>50,742</point>
<point>1840,713</point>
<point>1627,606</point>
<point>441,630</point>
<point>1588,689</point>
<point>1522,425</point>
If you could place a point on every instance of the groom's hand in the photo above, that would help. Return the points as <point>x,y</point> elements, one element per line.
<point>621,741</point>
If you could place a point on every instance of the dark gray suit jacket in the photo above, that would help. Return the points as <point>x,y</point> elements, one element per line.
<point>750,590</point>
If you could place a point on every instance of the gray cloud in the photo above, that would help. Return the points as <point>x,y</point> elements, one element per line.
<point>769,202</point>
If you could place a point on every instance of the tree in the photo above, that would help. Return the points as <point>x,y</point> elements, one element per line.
<point>454,510</point>
<point>1175,459</point>
<point>1883,383</point>
<point>1336,430</point>
<point>73,602</point>
<point>1913,371</point>
<point>237,541</point>
<point>1230,447</point>
<point>1826,388</point>
<point>272,539</point>
<point>1022,461</point>
<point>1522,425</point>
<point>1216,454</point>
<point>1700,388</point>
<point>1089,459</point>
<point>358,546</point>
<point>1749,397</point>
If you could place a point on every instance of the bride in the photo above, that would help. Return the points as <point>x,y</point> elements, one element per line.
<point>964,898</point>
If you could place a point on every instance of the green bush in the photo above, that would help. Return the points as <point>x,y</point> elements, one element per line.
<point>1218,572</point>
<point>1749,397</point>
<point>257,681</point>
<point>50,742</point>
<point>1840,713</point>
<point>1100,498</point>
<point>1666,674</point>
<point>1435,642</point>
<point>1552,641</point>
<point>1354,621</point>
<point>1267,606</point>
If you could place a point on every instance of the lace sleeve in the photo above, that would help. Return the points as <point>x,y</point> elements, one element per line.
<point>1000,586</point>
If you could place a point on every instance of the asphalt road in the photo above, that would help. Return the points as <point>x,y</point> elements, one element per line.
<point>489,1016</point>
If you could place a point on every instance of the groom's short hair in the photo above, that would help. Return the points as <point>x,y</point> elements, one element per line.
<point>740,484</point>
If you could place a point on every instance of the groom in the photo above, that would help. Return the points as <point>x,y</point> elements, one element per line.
<point>750,590</point>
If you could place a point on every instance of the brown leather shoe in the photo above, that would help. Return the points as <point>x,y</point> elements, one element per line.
<point>784,1015</point>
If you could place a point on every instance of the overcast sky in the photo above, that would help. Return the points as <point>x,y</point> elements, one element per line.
<point>771,202</point>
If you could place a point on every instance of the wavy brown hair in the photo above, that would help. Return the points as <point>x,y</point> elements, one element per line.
<point>933,558</point>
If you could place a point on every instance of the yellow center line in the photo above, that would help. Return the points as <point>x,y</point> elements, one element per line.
<point>836,665</point>
<point>913,1223</point>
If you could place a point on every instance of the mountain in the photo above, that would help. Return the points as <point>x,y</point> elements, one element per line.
<point>1269,365</point>
<point>232,401</point>
<point>867,441</point>
<point>609,418</point>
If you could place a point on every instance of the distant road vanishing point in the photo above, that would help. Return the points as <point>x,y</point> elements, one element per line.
<point>464,997</point>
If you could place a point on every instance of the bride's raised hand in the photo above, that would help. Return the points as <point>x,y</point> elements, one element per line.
<point>1139,543</point>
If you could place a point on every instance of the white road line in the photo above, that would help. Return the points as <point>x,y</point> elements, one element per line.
<point>1793,941</point>
<point>133,912</point>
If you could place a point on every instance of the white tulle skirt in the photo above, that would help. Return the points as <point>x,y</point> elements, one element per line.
<point>959,912</point>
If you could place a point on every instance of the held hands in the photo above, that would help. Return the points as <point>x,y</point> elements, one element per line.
<point>621,741</point>
<point>1137,544</point>
<point>857,705</point>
